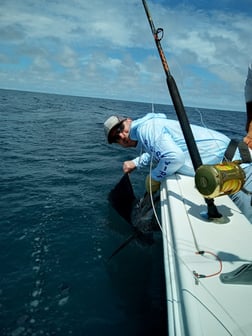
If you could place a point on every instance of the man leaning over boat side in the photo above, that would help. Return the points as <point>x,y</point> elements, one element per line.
<point>160,139</point>
<point>248,99</point>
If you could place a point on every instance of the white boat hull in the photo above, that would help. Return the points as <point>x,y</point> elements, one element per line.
<point>204,306</point>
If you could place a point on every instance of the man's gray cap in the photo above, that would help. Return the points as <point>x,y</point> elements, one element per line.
<point>111,123</point>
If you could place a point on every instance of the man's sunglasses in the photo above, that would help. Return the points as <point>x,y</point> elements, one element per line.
<point>117,131</point>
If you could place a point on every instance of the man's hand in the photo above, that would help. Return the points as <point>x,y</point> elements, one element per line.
<point>248,140</point>
<point>128,166</point>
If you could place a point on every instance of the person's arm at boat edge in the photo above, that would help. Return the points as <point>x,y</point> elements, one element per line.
<point>138,162</point>
<point>248,98</point>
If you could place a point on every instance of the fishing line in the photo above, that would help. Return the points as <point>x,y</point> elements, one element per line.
<point>206,128</point>
<point>198,250</point>
<point>196,160</point>
<point>151,196</point>
<point>196,276</point>
<point>150,171</point>
<point>201,117</point>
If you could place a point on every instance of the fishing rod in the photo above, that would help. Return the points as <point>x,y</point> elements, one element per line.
<point>179,108</point>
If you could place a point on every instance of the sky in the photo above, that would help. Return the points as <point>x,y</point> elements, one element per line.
<point>105,49</point>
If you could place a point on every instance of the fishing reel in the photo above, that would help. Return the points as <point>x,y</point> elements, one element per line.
<point>221,179</point>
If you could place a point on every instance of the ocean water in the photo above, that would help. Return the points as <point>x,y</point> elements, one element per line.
<point>58,229</point>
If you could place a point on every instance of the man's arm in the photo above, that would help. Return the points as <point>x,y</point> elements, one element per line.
<point>140,161</point>
<point>248,98</point>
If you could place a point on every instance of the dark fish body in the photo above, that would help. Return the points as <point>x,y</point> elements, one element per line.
<point>122,198</point>
<point>142,214</point>
<point>138,213</point>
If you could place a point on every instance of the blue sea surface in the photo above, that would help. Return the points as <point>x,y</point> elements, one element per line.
<point>58,229</point>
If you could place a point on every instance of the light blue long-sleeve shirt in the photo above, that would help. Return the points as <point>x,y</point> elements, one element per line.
<point>162,140</point>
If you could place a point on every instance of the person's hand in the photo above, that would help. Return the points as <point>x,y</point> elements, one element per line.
<point>248,140</point>
<point>128,166</point>
<point>151,185</point>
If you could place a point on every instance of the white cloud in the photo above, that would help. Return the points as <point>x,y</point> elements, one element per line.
<point>107,49</point>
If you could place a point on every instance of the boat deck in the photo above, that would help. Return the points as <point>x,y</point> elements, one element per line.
<point>206,305</point>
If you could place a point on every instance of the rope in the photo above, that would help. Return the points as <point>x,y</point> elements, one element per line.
<point>209,275</point>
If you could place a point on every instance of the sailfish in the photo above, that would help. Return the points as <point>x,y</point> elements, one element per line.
<point>139,213</point>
